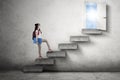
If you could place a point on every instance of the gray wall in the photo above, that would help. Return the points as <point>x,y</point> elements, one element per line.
<point>59,19</point>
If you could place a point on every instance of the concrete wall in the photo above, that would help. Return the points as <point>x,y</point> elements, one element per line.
<point>59,19</point>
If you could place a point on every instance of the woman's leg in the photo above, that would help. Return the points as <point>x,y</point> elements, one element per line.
<point>39,50</point>
<point>44,40</point>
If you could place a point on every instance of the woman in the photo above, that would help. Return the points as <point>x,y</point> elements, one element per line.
<point>37,39</point>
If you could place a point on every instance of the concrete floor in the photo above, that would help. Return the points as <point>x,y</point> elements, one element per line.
<point>17,75</point>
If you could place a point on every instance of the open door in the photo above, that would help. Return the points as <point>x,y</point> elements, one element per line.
<point>101,16</point>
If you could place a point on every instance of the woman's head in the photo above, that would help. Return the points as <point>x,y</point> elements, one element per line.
<point>37,26</point>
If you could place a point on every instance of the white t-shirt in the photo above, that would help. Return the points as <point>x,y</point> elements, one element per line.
<point>39,35</point>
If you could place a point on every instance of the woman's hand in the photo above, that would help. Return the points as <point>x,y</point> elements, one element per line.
<point>40,31</point>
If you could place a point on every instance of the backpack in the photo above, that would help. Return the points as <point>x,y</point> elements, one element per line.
<point>33,35</point>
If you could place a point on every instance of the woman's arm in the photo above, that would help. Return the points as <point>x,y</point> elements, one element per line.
<point>36,33</point>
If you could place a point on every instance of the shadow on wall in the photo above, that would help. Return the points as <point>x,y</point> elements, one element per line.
<point>108,18</point>
<point>6,64</point>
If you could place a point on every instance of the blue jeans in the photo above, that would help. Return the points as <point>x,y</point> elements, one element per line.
<point>39,40</point>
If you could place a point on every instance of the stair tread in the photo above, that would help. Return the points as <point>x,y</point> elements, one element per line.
<point>68,46</point>
<point>45,61</point>
<point>79,38</point>
<point>91,31</point>
<point>32,68</point>
<point>56,54</point>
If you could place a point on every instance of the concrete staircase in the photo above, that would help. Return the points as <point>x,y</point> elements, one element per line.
<point>41,64</point>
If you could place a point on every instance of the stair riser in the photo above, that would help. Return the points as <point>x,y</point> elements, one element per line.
<point>68,46</point>
<point>90,31</point>
<point>45,62</point>
<point>79,39</point>
<point>56,54</point>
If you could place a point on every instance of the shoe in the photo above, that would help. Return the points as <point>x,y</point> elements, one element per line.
<point>40,57</point>
<point>50,51</point>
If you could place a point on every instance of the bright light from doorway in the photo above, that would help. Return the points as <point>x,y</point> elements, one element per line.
<point>91,15</point>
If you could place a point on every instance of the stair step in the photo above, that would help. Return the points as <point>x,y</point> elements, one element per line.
<point>79,38</point>
<point>70,46</point>
<point>56,54</point>
<point>45,61</point>
<point>91,31</point>
<point>32,68</point>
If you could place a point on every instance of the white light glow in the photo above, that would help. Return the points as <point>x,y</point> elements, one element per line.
<point>92,15</point>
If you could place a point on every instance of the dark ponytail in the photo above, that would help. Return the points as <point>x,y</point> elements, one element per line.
<point>36,27</point>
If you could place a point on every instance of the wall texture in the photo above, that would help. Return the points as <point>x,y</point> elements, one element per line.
<point>59,20</point>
